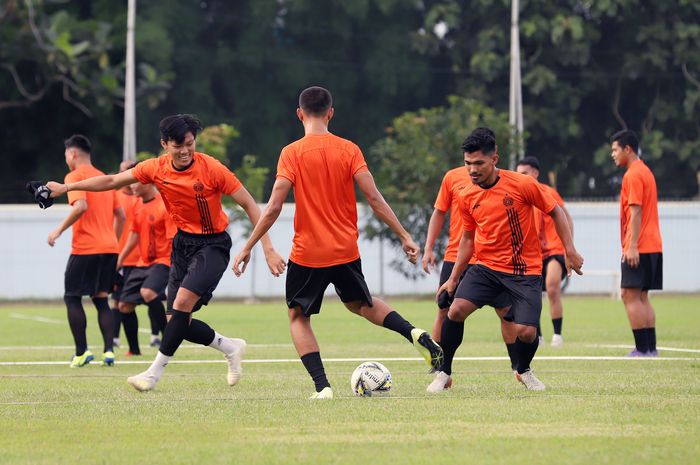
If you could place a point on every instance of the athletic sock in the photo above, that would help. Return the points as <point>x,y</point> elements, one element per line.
<point>158,365</point>
<point>105,321</point>
<point>313,364</point>
<point>222,343</point>
<point>396,322</point>
<point>556,323</point>
<point>156,313</point>
<point>199,332</point>
<point>451,337</point>
<point>77,322</point>
<point>526,352</point>
<point>512,355</point>
<point>175,332</point>
<point>640,339</point>
<point>651,339</point>
<point>116,321</point>
<point>131,330</point>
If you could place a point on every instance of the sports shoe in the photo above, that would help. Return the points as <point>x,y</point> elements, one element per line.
<point>155,342</point>
<point>442,382</point>
<point>636,353</point>
<point>131,354</point>
<point>107,359</point>
<point>81,360</point>
<point>429,349</point>
<point>143,381</point>
<point>235,370</point>
<point>530,381</point>
<point>325,393</point>
<point>652,353</point>
<point>557,340</point>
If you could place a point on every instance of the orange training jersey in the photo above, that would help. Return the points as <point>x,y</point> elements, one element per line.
<point>93,233</point>
<point>549,239</point>
<point>502,218</point>
<point>128,202</point>
<point>639,188</point>
<point>448,201</point>
<point>322,169</point>
<point>192,196</point>
<point>156,231</point>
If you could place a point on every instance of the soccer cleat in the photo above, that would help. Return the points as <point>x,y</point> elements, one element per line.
<point>143,381</point>
<point>636,353</point>
<point>81,360</point>
<point>429,349</point>
<point>652,353</point>
<point>442,382</point>
<point>132,354</point>
<point>325,393</point>
<point>155,342</point>
<point>107,359</point>
<point>557,340</point>
<point>235,370</point>
<point>530,381</point>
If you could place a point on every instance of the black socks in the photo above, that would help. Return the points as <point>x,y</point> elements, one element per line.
<point>640,340</point>
<point>117,321</point>
<point>313,364</point>
<point>525,352</point>
<point>396,322</point>
<point>556,323</point>
<point>131,330</point>
<point>200,333</point>
<point>156,313</point>
<point>77,322</point>
<point>512,355</point>
<point>105,319</point>
<point>651,339</point>
<point>175,332</point>
<point>450,340</point>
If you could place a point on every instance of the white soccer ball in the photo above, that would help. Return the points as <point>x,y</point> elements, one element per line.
<point>370,379</point>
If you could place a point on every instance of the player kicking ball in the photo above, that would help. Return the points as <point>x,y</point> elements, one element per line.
<point>323,168</point>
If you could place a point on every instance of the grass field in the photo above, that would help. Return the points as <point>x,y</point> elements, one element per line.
<point>597,408</point>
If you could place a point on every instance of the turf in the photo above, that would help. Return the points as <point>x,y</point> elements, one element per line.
<point>594,411</point>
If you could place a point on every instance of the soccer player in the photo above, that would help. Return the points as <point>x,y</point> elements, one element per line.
<point>642,257</point>
<point>553,262</point>
<point>497,211</point>
<point>323,168</point>
<point>191,184</point>
<point>97,220</point>
<point>152,231</point>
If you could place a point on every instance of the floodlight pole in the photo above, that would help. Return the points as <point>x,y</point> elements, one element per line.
<point>129,149</point>
<point>515,113</point>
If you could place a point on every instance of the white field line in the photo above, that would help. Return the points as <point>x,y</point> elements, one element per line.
<point>182,346</point>
<point>382,359</point>
<point>626,346</point>
<point>40,319</point>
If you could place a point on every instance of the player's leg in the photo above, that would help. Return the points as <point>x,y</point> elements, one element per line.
<point>131,326</point>
<point>652,264</point>
<point>509,333</point>
<point>104,283</point>
<point>119,278</point>
<point>637,316</point>
<point>553,285</point>
<point>76,270</point>
<point>131,297</point>
<point>650,329</point>
<point>443,301</point>
<point>153,293</point>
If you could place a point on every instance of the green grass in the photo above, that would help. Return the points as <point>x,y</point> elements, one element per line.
<point>594,411</point>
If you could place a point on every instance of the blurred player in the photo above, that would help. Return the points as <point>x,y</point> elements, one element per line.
<point>191,185</point>
<point>553,251</point>
<point>497,211</point>
<point>323,168</point>
<point>97,220</point>
<point>152,233</point>
<point>642,257</point>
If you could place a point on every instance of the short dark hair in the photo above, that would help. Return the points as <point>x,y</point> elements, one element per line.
<point>481,139</point>
<point>315,100</point>
<point>626,137</point>
<point>530,161</point>
<point>176,127</point>
<point>78,141</point>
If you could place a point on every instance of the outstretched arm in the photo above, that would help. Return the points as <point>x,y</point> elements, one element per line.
<point>78,208</point>
<point>365,182</point>
<point>574,261</point>
<point>464,254</point>
<point>437,219</point>
<point>94,184</point>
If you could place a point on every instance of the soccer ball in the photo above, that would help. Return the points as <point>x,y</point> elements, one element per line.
<point>370,379</point>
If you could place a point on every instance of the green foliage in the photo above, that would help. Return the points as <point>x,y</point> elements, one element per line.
<point>253,177</point>
<point>214,141</point>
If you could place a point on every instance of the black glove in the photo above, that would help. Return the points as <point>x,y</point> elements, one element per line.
<point>41,193</point>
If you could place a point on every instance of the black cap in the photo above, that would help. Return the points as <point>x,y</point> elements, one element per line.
<point>530,161</point>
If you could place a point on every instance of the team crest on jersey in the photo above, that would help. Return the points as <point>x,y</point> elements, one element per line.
<point>508,201</point>
<point>198,187</point>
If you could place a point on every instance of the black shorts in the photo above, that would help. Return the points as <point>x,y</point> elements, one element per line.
<point>305,285</point>
<point>154,277</point>
<point>444,300</point>
<point>481,286</point>
<point>197,263</point>
<point>648,274</point>
<point>89,274</point>
<point>120,278</point>
<point>562,262</point>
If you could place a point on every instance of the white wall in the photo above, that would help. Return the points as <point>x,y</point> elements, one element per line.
<point>32,269</point>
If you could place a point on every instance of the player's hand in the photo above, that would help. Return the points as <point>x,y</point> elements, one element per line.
<point>57,189</point>
<point>631,257</point>
<point>53,235</point>
<point>275,262</point>
<point>574,261</point>
<point>243,258</point>
<point>411,249</point>
<point>428,261</point>
<point>449,286</point>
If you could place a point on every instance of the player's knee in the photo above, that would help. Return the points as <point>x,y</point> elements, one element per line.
<point>354,307</point>
<point>553,291</point>
<point>148,295</point>
<point>527,333</point>
<point>457,311</point>
<point>629,295</point>
<point>125,307</point>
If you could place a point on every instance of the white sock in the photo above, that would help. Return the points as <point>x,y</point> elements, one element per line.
<point>158,365</point>
<point>223,344</point>
<point>154,337</point>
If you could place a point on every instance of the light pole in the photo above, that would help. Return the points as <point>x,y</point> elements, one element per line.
<point>129,150</point>
<point>515,113</point>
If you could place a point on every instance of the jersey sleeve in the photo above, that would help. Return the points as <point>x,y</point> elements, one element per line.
<point>635,192</point>
<point>145,172</point>
<point>443,202</point>
<point>285,165</point>
<point>227,182</point>
<point>358,161</point>
<point>556,196</point>
<point>536,194</point>
<point>467,218</point>
<point>74,196</point>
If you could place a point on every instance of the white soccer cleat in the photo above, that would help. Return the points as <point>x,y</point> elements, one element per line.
<point>326,393</point>
<point>143,381</point>
<point>441,382</point>
<point>530,381</point>
<point>234,358</point>
<point>557,340</point>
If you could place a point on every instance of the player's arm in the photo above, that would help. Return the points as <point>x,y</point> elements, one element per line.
<point>77,209</point>
<point>131,242</point>
<point>631,257</point>
<point>437,220</point>
<point>376,201</point>
<point>464,254</point>
<point>263,222</point>
<point>94,184</point>
<point>119,220</point>
<point>573,259</point>
<point>569,220</point>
